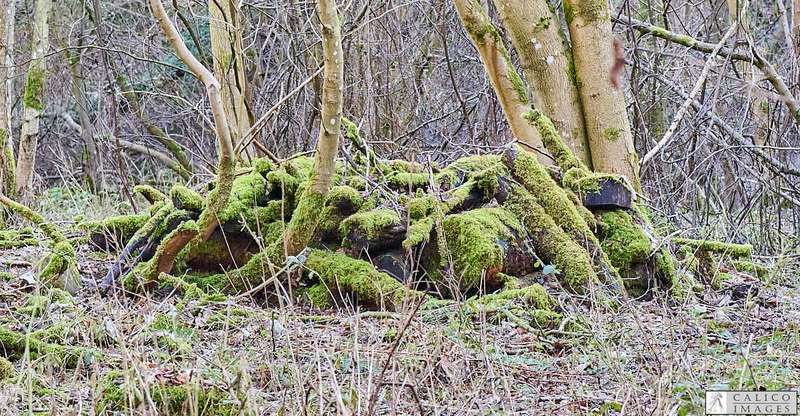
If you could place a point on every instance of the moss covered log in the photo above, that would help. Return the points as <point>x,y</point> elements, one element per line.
<point>57,268</point>
<point>471,226</point>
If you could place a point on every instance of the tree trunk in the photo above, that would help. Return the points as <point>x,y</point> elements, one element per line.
<point>33,97</point>
<point>306,216</point>
<point>508,85</point>
<point>7,163</point>
<point>227,165</point>
<point>90,157</point>
<point>607,126</point>
<point>226,49</point>
<point>546,57</point>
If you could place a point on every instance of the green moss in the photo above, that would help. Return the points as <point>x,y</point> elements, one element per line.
<point>119,393</point>
<point>6,369</point>
<point>572,73</point>
<point>280,179</point>
<point>22,238</point>
<point>263,166</point>
<point>303,223</point>
<point>34,88</point>
<point>369,224</point>
<point>476,238</point>
<point>753,269</point>
<point>340,272</point>
<point>13,345</point>
<point>8,165</point>
<point>49,229</point>
<point>534,295</point>
<point>400,179</point>
<point>188,199</point>
<point>58,268</point>
<point>351,131</point>
<point>120,228</point>
<point>448,178</point>
<point>732,250</point>
<point>341,193</point>
<point>149,193</point>
<point>420,207</point>
<point>516,81</point>
<point>552,243</point>
<point>536,179</point>
<point>509,282</point>
<point>357,182</point>
<point>454,174</point>
<point>665,264</point>
<point>612,134</point>
<point>318,294</point>
<point>569,13</point>
<point>624,241</point>
<point>419,232</point>
<point>37,305</point>
<point>245,193</point>
<point>553,142</point>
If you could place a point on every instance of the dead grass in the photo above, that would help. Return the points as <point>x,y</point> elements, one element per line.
<point>160,354</point>
<point>653,357</point>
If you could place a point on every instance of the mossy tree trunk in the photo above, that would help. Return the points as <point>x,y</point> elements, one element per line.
<point>607,125</point>
<point>90,158</point>
<point>306,216</point>
<point>33,96</point>
<point>7,161</point>
<point>546,57</point>
<point>508,85</point>
<point>207,221</point>
<point>226,49</point>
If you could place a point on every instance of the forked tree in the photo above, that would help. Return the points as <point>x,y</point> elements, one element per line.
<point>572,83</point>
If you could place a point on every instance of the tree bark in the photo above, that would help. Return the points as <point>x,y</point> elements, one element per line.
<point>33,97</point>
<point>227,165</point>
<point>90,156</point>
<point>229,67</point>
<point>508,85</point>
<point>546,57</point>
<point>7,162</point>
<point>607,125</point>
<point>306,216</point>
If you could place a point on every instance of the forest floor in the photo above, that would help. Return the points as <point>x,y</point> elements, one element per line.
<point>147,354</point>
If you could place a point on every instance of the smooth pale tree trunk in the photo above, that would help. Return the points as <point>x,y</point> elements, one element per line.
<point>33,97</point>
<point>508,85</point>
<point>207,222</point>
<point>607,125</point>
<point>7,163</point>
<point>306,216</point>
<point>229,68</point>
<point>546,60</point>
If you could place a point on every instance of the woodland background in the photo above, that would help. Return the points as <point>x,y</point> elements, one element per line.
<point>121,109</point>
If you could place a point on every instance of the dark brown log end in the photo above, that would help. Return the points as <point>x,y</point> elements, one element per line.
<point>611,194</point>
